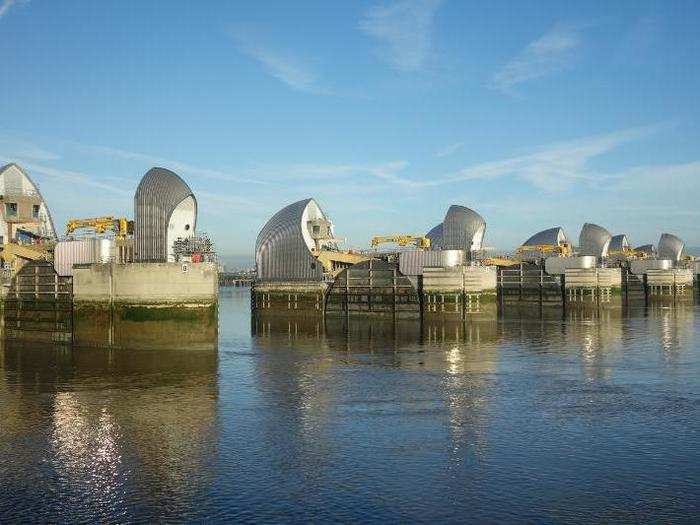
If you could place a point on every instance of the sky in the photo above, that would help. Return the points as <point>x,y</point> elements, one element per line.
<point>535,114</point>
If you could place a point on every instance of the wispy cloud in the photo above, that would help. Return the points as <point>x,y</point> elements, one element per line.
<point>553,168</point>
<point>552,52</point>
<point>153,160</point>
<point>293,71</point>
<point>557,166</point>
<point>449,150</point>
<point>386,171</point>
<point>71,176</point>
<point>405,30</point>
<point>678,181</point>
<point>5,6</point>
<point>19,147</point>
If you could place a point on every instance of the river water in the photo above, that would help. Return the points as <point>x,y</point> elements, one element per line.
<point>538,420</point>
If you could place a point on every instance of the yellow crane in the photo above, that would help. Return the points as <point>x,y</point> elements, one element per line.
<point>121,226</point>
<point>402,240</point>
<point>628,253</point>
<point>500,261</point>
<point>562,250</point>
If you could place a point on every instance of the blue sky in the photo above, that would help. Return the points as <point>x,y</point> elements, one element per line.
<point>535,114</point>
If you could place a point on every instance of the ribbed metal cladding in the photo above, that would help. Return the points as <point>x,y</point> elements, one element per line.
<point>462,229</point>
<point>618,243</point>
<point>670,247</point>
<point>435,236</point>
<point>157,196</point>
<point>594,240</point>
<point>281,254</point>
<point>413,262</point>
<point>552,237</point>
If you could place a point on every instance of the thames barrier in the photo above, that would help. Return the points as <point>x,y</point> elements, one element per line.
<point>446,273</point>
<point>109,286</point>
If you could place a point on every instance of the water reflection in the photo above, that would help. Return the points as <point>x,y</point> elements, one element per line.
<point>114,426</point>
<point>674,326</point>
<point>359,420</point>
<point>465,361</point>
<point>454,361</point>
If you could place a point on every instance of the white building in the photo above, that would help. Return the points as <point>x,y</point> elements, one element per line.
<point>24,215</point>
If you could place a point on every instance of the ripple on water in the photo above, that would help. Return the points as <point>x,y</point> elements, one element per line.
<point>513,420</point>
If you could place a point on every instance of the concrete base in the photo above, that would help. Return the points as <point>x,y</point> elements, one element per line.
<point>145,305</point>
<point>459,305</point>
<point>145,326</point>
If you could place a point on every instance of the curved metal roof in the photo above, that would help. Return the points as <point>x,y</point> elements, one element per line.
<point>462,229</point>
<point>435,236</point>
<point>618,243</point>
<point>158,194</point>
<point>281,252</point>
<point>551,237</point>
<point>649,249</point>
<point>19,168</point>
<point>594,240</point>
<point>670,247</point>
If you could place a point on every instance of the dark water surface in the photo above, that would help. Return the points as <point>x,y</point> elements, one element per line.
<point>540,420</point>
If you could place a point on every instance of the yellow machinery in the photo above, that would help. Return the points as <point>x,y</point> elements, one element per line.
<point>402,240</point>
<point>628,253</point>
<point>9,253</point>
<point>121,226</point>
<point>334,262</point>
<point>561,250</point>
<point>500,261</point>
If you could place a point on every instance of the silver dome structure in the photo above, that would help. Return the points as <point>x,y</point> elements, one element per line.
<point>670,247</point>
<point>435,236</point>
<point>618,244</point>
<point>286,243</point>
<point>550,237</point>
<point>165,209</point>
<point>24,216</point>
<point>462,229</point>
<point>547,242</point>
<point>594,240</point>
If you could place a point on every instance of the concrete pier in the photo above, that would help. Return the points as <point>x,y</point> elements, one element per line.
<point>378,288</point>
<point>114,305</point>
<point>593,288</point>
<point>145,304</point>
<point>459,292</point>
<point>669,286</point>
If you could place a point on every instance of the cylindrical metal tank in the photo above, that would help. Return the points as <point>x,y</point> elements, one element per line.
<point>413,262</point>
<point>643,265</point>
<point>81,251</point>
<point>557,265</point>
